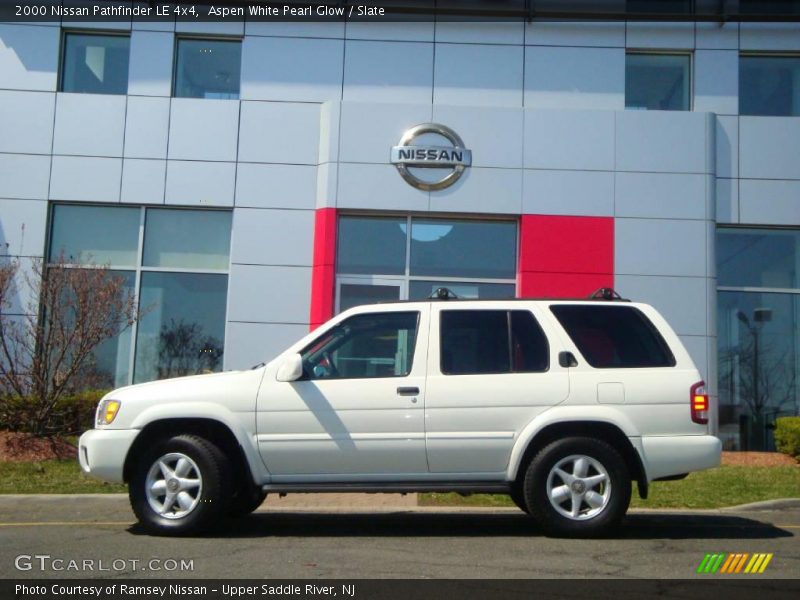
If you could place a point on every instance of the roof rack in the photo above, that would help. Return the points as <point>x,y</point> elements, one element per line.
<point>606,293</point>
<point>443,293</point>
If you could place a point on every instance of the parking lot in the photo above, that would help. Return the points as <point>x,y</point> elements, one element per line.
<point>377,542</point>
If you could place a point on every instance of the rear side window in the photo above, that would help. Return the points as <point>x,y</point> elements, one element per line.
<point>614,336</point>
<point>491,341</point>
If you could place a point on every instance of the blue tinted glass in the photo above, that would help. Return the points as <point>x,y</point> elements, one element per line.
<point>208,69</point>
<point>95,64</point>
<point>657,82</point>
<point>96,234</point>
<point>112,357</point>
<point>371,245</point>
<point>188,239</point>
<point>758,257</point>
<point>769,85</point>
<point>419,290</point>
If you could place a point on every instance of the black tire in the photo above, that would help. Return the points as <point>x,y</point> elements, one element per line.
<point>209,500</point>
<point>607,484</point>
<point>517,495</point>
<point>247,499</point>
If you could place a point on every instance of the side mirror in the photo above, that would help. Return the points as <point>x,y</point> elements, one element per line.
<point>291,369</point>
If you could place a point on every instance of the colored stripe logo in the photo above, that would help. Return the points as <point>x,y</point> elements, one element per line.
<point>734,563</point>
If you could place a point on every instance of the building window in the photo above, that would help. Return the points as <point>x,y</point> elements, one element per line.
<point>176,263</point>
<point>758,313</point>
<point>657,81</point>
<point>769,85</point>
<point>208,69</point>
<point>95,64</point>
<point>399,258</point>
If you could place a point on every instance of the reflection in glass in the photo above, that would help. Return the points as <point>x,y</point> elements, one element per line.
<point>419,290</point>
<point>112,357</point>
<point>184,331</point>
<point>758,348</point>
<point>657,81</point>
<point>100,234</point>
<point>769,85</point>
<point>188,239</point>
<point>758,257</point>
<point>352,294</point>
<point>371,246</point>
<point>208,69</point>
<point>95,64</point>
<point>469,249</point>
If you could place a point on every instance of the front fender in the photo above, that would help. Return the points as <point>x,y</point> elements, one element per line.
<point>570,414</point>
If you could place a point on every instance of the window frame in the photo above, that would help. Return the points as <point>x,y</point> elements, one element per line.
<point>62,56</point>
<point>138,268</point>
<point>664,52</point>
<point>203,38</point>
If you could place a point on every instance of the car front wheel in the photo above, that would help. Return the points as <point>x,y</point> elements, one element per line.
<point>181,486</point>
<point>577,487</point>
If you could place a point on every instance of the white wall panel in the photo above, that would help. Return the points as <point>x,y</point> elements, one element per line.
<point>309,29</point>
<point>660,34</point>
<point>24,176</point>
<point>676,298</point>
<point>216,27</point>
<point>298,69</point>
<point>26,121</point>
<point>279,132</point>
<point>143,181</point>
<point>249,344</point>
<point>86,178</point>
<point>575,33</point>
<point>727,193</point>
<point>661,195</point>
<point>478,75</point>
<point>388,72</point>
<point>569,139</point>
<point>202,129</point>
<point>491,32</point>
<point>327,185</point>
<point>22,227</point>
<point>370,130</point>
<point>581,193</point>
<point>769,147</point>
<point>717,36</point>
<point>29,57</point>
<point>272,237</point>
<point>276,186</point>
<point>150,70</point>
<point>200,183</point>
<point>716,81</point>
<point>727,146</point>
<point>378,187</point>
<point>663,141</point>
<point>146,127</point>
<point>660,247</point>
<point>269,294</point>
<point>482,190</point>
<point>769,36</point>
<point>89,124</point>
<point>409,31</point>
<point>493,134</point>
<point>769,202</point>
<point>574,78</point>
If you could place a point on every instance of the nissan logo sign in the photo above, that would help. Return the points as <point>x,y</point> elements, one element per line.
<point>407,155</point>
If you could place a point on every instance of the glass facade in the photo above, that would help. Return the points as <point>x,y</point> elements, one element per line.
<point>657,81</point>
<point>208,69</point>
<point>175,261</point>
<point>399,258</point>
<point>758,333</point>
<point>769,85</point>
<point>95,64</point>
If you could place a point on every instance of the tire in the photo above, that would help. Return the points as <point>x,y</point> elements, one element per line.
<point>577,487</point>
<point>195,472</point>
<point>247,499</point>
<point>517,495</point>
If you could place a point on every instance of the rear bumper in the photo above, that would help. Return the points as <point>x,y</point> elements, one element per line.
<point>102,452</point>
<point>673,455</point>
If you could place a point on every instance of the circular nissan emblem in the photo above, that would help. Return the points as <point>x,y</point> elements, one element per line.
<point>407,155</point>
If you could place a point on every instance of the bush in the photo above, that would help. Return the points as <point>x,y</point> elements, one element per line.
<point>787,435</point>
<point>71,415</point>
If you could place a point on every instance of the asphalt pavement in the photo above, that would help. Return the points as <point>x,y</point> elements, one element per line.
<point>95,536</point>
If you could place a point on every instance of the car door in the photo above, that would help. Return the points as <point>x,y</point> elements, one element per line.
<point>491,371</point>
<point>357,411</point>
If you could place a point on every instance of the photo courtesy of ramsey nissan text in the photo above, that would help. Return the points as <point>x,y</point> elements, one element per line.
<point>399,299</point>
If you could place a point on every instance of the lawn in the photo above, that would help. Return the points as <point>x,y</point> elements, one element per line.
<point>50,477</point>
<point>715,488</point>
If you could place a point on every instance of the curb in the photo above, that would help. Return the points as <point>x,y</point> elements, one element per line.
<point>778,504</point>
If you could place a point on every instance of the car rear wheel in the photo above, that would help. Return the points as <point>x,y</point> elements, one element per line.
<point>577,487</point>
<point>180,486</point>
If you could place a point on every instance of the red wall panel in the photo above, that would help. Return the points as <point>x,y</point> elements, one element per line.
<point>323,272</point>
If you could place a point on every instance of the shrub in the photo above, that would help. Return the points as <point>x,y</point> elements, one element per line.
<point>72,414</point>
<point>787,435</point>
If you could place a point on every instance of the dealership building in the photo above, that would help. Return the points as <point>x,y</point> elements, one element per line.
<point>250,180</point>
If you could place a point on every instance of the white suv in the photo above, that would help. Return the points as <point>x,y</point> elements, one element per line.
<point>560,404</point>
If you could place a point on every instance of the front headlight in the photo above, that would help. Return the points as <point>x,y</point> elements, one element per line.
<point>107,411</point>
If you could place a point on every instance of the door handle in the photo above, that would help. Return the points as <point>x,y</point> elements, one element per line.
<point>408,391</point>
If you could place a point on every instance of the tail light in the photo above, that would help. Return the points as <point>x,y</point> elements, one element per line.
<point>698,400</point>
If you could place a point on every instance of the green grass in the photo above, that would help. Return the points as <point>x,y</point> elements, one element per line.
<point>50,477</point>
<point>715,488</point>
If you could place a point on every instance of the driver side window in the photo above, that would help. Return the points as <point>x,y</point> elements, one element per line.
<point>364,346</point>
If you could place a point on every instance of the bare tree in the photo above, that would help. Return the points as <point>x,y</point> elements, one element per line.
<point>46,353</point>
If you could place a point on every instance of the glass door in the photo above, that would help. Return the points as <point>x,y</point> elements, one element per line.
<point>354,291</point>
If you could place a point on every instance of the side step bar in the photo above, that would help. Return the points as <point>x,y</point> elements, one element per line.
<point>461,487</point>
